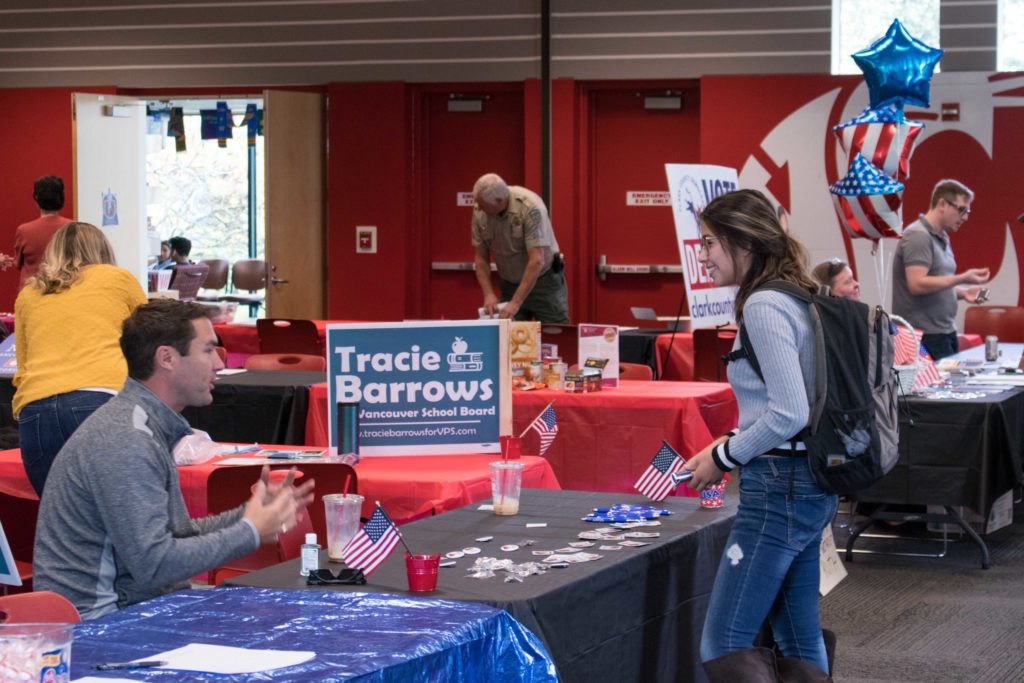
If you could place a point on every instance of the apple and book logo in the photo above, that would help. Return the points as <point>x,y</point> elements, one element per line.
<point>461,360</point>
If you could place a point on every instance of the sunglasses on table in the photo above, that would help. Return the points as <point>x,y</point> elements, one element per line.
<point>325,577</point>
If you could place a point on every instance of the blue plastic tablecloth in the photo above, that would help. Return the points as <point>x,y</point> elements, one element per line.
<point>356,637</point>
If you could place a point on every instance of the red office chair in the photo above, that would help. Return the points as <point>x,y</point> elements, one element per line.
<point>636,371</point>
<point>286,361</point>
<point>288,336</point>
<point>1005,322</point>
<point>709,345</point>
<point>229,487</point>
<point>38,607</point>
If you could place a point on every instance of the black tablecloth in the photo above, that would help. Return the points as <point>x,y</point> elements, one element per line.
<point>257,406</point>
<point>956,452</point>
<point>638,346</point>
<point>635,615</point>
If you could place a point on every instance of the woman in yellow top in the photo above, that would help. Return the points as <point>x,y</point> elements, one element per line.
<point>66,338</point>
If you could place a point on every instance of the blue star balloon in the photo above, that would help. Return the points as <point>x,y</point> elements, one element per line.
<point>898,68</point>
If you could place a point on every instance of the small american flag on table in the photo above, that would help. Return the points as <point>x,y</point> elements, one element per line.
<point>546,425</point>
<point>372,544</point>
<point>656,482</point>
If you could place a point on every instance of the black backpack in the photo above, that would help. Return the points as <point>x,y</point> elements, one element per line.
<point>852,435</point>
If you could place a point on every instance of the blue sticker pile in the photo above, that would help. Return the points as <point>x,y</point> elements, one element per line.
<point>620,512</point>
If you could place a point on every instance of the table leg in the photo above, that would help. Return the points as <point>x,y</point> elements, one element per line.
<point>950,516</point>
<point>954,516</point>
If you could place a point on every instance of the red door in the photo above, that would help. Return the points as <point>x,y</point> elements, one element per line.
<point>457,147</point>
<point>629,146</point>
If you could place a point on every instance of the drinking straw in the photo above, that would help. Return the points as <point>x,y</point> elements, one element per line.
<point>501,485</point>
<point>348,480</point>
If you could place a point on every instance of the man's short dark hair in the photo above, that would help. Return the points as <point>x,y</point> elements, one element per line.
<point>48,192</point>
<point>163,322</point>
<point>182,245</point>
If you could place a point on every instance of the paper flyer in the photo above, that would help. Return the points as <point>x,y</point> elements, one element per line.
<point>601,341</point>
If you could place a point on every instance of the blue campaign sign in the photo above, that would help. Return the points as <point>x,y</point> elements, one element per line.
<point>422,387</point>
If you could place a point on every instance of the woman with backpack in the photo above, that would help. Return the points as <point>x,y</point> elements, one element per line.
<point>770,566</point>
<point>67,342</point>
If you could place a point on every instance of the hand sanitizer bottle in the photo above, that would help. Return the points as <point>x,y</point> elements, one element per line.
<point>310,555</point>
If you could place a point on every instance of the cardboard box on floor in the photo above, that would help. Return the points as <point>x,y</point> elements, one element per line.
<point>1000,516</point>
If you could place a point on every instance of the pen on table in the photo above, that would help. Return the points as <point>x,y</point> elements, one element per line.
<point>142,664</point>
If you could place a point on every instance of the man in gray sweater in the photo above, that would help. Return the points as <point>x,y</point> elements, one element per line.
<point>113,528</point>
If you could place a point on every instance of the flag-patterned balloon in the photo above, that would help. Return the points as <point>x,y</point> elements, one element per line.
<point>868,201</point>
<point>884,136</point>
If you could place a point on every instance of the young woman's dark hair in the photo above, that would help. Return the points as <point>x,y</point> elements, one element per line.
<point>745,219</point>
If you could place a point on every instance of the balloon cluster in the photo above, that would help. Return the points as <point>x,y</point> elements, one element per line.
<point>898,69</point>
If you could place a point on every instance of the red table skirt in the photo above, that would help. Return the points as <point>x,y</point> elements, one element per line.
<point>409,487</point>
<point>678,366</point>
<point>607,438</point>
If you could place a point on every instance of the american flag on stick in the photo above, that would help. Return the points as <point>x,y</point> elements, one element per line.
<point>372,544</point>
<point>545,424</point>
<point>656,482</point>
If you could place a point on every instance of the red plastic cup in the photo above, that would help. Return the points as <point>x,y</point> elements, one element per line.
<point>422,571</point>
<point>511,447</point>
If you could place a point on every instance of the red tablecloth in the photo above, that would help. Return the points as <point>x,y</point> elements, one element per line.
<point>607,438</point>
<point>409,487</point>
<point>680,360</point>
<point>241,340</point>
<point>679,367</point>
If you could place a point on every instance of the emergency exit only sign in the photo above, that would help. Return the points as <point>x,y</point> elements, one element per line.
<point>647,198</point>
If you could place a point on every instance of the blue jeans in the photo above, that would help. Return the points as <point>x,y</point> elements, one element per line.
<point>770,565</point>
<point>44,426</point>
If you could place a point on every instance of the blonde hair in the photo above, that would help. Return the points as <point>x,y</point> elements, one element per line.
<point>71,249</point>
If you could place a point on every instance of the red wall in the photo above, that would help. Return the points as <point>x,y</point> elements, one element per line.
<point>374,135</point>
<point>368,182</point>
<point>35,136</point>
<point>982,148</point>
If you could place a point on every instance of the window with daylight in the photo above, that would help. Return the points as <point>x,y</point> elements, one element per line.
<point>1010,44</point>
<point>858,23</point>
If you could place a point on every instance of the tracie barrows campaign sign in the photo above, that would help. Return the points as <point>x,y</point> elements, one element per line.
<point>422,387</point>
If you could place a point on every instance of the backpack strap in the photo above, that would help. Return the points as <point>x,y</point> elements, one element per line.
<point>746,350</point>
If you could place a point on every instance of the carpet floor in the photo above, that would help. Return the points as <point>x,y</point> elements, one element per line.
<point>930,619</point>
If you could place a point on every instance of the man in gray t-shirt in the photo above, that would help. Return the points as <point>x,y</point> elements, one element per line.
<point>925,284</point>
<point>513,224</point>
